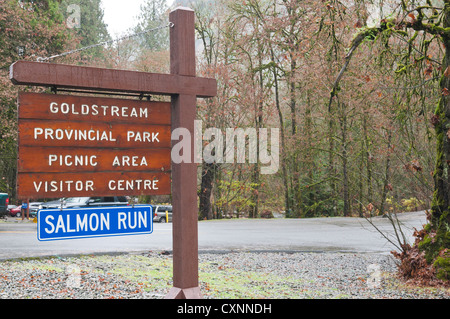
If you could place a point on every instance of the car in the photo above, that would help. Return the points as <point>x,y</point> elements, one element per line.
<point>80,202</point>
<point>10,207</point>
<point>16,211</point>
<point>34,207</point>
<point>161,213</point>
<point>4,202</point>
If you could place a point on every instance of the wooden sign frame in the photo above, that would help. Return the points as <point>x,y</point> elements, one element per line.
<point>184,87</point>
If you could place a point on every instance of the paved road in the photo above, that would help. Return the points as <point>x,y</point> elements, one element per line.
<point>316,235</point>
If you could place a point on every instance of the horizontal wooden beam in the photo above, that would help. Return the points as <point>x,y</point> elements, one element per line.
<point>98,79</point>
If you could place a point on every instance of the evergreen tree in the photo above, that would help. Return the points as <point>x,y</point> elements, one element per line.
<point>28,30</point>
<point>85,17</point>
<point>153,14</point>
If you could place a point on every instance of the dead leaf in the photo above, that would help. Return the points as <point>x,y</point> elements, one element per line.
<point>447,72</point>
<point>413,166</point>
<point>434,120</point>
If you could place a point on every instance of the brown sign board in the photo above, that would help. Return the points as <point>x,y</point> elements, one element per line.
<point>93,135</point>
<point>70,159</point>
<point>43,106</point>
<point>53,185</point>
<point>82,145</point>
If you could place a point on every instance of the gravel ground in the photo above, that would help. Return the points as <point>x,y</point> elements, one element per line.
<point>272,275</point>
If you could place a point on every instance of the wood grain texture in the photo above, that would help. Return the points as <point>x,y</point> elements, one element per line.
<point>99,79</point>
<point>91,109</point>
<point>56,185</point>
<point>91,134</point>
<point>184,175</point>
<point>71,160</point>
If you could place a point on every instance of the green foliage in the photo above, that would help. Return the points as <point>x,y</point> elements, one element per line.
<point>442,265</point>
<point>34,28</point>
<point>235,195</point>
<point>153,14</point>
<point>412,204</point>
<point>28,29</point>
<point>91,28</point>
<point>318,202</point>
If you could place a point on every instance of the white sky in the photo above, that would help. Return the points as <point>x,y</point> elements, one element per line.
<point>120,15</point>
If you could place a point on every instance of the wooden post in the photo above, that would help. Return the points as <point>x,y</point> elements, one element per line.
<point>184,175</point>
<point>26,211</point>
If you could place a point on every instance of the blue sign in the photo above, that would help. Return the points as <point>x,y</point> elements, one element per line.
<point>55,224</point>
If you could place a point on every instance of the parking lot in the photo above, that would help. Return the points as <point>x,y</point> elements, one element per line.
<point>316,235</point>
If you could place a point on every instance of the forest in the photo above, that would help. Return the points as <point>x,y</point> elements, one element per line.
<point>359,91</point>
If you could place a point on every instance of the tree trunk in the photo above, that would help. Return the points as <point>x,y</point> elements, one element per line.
<point>331,168</point>
<point>387,173</point>
<point>287,203</point>
<point>206,186</point>
<point>309,159</point>
<point>440,218</point>
<point>296,187</point>
<point>345,181</point>
<point>367,144</point>
<point>259,108</point>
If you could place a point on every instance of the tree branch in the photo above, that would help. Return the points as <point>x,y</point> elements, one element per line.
<point>366,33</point>
<point>372,33</point>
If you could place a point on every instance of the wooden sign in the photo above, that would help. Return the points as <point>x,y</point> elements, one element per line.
<point>94,135</point>
<point>64,140</point>
<point>85,184</point>
<point>117,123</point>
<point>92,109</point>
<point>67,159</point>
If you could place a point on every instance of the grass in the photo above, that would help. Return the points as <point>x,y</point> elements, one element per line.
<point>154,273</point>
<point>229,283</point>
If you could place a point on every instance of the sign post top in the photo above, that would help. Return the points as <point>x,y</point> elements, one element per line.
<point>182,8</point>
